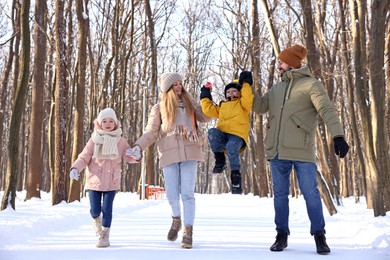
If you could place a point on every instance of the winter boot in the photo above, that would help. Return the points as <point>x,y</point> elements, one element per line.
<point>220,162</point>
<point>104,237</point>
<point>322,247</point>
<point>175,227</point>
<point>281,241</point>
<point>187,237</point>
<point>236,182</point>
<point>97,225</point>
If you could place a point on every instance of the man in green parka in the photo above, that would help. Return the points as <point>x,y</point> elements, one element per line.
<point>293,105</point>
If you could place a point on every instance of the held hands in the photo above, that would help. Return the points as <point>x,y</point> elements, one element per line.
<point>205,91</point>
<point>246,77</point>
<point>341,147</point>
<point>135,153</point>
<point>74,174</point>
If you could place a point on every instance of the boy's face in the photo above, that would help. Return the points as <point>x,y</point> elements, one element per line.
<point>231,93</point>
<point>108,124</point>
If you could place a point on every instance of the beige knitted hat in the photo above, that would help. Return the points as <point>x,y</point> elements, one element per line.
<point>167,79</point>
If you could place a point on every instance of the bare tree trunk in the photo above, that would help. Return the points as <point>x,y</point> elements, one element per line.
<point>379,14</point>
<point>259,175</point>
<point>351,97</point>
<point>35,155</point>
<point>358,16</point>
<point>8,93</point>
<point>150,152</point>
<point>78,133</point>
<point>387,84</point>
<point>18,109</point>
<point>60,98</point>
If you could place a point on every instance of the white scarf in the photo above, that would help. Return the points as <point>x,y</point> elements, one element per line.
<point>106,143</point>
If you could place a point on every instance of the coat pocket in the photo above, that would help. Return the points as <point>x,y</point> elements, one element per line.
<point>296,134</point>
<point>269,141</point>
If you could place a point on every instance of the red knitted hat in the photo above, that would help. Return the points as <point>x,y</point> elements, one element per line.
<point>293,56</point>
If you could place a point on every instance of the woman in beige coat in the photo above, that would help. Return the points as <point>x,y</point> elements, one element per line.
<point>172,123</point>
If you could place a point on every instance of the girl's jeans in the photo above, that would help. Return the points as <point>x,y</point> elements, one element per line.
<point>97,207</point>
<point>180,182</point>
<point>306,174</point>
<point>231,143</point>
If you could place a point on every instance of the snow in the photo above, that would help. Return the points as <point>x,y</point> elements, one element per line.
<point>226,227</point>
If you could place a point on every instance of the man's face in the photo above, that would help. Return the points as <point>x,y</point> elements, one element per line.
<point>283,67</point>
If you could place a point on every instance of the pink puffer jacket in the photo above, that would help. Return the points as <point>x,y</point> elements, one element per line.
<point>102,175</point>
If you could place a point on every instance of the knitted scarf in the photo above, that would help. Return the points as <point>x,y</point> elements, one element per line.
<point>106,143</point>
<point>185,125</point>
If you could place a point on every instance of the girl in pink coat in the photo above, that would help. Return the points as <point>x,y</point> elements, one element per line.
<point>102,159</point>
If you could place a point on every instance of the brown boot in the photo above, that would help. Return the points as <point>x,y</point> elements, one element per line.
<point>176,226</point>
<point>187,237</point>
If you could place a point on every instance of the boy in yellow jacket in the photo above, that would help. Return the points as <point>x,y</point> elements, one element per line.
<point>231,133</point>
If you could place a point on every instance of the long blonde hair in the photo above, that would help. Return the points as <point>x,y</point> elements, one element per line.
<point>170,100</point>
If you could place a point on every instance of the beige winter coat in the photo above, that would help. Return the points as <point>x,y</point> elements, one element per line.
<point>293,105</point>
<point>172,148</point>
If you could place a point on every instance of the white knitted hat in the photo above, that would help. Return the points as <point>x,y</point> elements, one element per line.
<point>107,113</point>
<point>167,80</point>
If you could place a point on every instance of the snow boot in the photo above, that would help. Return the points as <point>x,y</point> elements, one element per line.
<point>281,241</point>
<point>104,237</point>
<point>97,225</point>
<point>187,237</point>
<point>322,247</point>
<point>236,182</point>
<point>220,162</point>
<point>175,227</point>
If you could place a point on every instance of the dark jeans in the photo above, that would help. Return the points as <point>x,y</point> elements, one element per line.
<point>306,174</point>
<point>231,143</point>
<point>102,206</point>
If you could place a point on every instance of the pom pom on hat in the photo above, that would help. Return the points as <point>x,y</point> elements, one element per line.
<point>167,80</point>
<point>107,113</point>
<point>293,56</point>
<point>234,84</point>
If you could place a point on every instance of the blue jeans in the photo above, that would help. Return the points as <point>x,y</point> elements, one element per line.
<point>232,144</point>
<point>105,207</point>
<point>180,181</point>
<point>306,174</point>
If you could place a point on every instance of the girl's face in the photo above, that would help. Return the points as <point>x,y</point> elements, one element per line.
<point>178,88</point>
<point>108,124</point>
<point>231,93</point>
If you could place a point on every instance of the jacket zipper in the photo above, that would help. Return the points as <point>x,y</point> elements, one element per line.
<point>280,119</point>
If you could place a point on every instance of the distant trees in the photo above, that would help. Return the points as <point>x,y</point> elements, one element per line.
<point>110,54</point>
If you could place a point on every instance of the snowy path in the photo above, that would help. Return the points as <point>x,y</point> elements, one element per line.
<point>227,227</point>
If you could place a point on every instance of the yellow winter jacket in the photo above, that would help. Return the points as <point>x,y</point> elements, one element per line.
<point>233,115</point>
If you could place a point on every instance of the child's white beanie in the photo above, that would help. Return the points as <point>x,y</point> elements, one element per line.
<point>107,113</point>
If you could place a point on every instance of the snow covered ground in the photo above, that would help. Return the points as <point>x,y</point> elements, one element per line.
<point>226,227</point>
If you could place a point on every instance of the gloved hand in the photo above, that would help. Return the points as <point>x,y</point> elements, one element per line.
<point>205,92</point>
<point>135,152</point>
<point>74,174</point>
<point>341,147</point>
<point>245,76</point>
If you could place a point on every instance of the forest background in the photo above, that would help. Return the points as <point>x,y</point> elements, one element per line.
<point>63,61</point>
